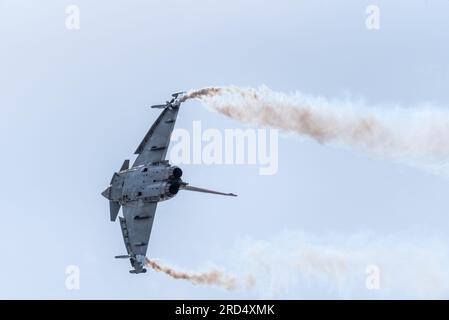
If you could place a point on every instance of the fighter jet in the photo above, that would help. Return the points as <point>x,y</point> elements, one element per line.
<point>151,179</point>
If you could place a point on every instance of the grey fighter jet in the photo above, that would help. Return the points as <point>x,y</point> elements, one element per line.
<point>150,180</point>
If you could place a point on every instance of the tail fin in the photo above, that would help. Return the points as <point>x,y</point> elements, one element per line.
<point>114,208</point>
<point>125,165</point>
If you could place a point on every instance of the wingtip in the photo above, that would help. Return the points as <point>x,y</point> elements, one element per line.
<point>180,93</point>
<point>159,106</point>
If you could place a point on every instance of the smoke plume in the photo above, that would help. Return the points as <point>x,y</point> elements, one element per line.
<point>213,277</point>
<point>296,265</point>
<point>418,136</point>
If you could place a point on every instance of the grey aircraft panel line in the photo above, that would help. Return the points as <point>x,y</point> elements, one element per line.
<point>151,179</point>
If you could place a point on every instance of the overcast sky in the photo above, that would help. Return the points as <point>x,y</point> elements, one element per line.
<point>74,105</point>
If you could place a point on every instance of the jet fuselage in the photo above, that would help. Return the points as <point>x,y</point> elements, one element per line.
<point>150,183</point>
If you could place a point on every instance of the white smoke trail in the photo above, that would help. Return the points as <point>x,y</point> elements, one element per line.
<point>299,265</point>
<point>418,136</point>
<point>213,277</point>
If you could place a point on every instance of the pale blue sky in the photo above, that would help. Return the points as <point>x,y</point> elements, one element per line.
<point>74,105</point>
